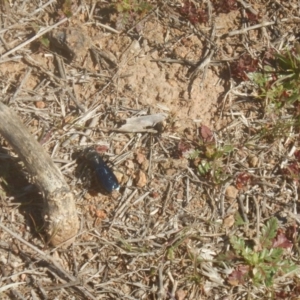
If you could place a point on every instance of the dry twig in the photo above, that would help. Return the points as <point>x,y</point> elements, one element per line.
<point>59,207</point>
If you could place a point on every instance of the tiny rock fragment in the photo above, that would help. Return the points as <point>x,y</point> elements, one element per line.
<point>86,237</point>
<point>92,209</point>
<point>40,104</point>
<point>180,294</point>
<point>171,172</point>
<point>140,157</point>
<point>177,124</point>
<point>145,165</point>
<point>228,221</point>
<point>228,49</point>
<point>68,119</point>
<point>129,164</point>
<point>231,192</point>
<point>119,176</point>
<point>253,161</point>
<point>23,277</point>
<point>87,197</point>
<point>99,213</point>
<point>115,194</point>
<point>154,195</point>
<point>141,179</point>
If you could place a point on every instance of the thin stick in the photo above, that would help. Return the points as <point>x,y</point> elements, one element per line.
<point>248,7</point>
<point>245,30</point>
<point>242,208</point>
<point>41,8</point>
<point>42,32</point>
<point>257,216</point>
<point>106,27</point>
<point>22,83</point>
<point>59,204</point>
<point>49,259</point>
<point>161,292</point>
<point>166,202</point>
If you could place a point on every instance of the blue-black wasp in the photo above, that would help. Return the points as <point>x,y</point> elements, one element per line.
<point>104,175</point>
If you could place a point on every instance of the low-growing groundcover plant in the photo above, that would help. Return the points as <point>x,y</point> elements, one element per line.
<point>208,156</point>
<point>164,240</point>
<point>259,261</point>
<point>277,82</point>
<point>262,261</point>
<point>130,11</point>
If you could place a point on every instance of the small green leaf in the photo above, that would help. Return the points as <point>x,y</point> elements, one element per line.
<point>35,27</point>
<point>170,253</point>
<point>268,233</point>
<point>237,244</point>
<point>204,167</point>
<point>250,256</point>
<point>67,8</point>
<point>274,255</point>
<point>238,219</point>
<point>194,154</point>
<point>228,149</point>
<point>45,42</point>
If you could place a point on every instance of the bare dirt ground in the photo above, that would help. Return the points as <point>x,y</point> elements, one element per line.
<point>74,71</point>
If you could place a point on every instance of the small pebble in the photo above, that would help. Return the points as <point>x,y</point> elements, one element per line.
<point>231,192</point>
<point>253,161</point>
<point>141,179</point>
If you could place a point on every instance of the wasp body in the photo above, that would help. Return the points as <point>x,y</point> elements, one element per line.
<point>104,175</point>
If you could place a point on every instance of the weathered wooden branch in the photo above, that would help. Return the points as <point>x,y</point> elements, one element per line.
<point>59,207</point>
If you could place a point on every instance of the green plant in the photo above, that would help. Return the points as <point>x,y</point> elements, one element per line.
<point>128,247</point>
<point>262,262</point>
<point>272,130</point>
<point>176,242</point>
<point>209,161</point>
<point>278,88</point>
<point>132,6</point>
<point>67,8</point>
<point>279,80</point>
<point>130,10</point>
